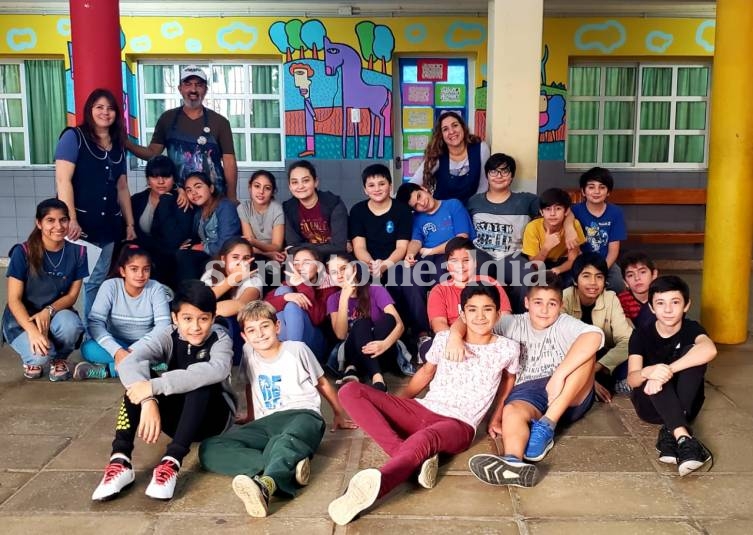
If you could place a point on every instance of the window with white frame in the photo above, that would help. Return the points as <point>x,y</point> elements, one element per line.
<point>14,143</point>
<point>638,115</point>
<point>248,94</point>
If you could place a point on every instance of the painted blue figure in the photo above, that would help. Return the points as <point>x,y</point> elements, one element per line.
<point>302,75</point>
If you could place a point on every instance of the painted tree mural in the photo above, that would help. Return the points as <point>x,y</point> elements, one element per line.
<point>293,31</point>
<point>384,45</point>
<point>312,35</point>
<point>365,33</point>
<point>280,39</point>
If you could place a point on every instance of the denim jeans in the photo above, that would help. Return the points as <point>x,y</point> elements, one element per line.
<point>296,325</point>
<point>96,278</point>
<point>65,332</point>
<point>92,352</point>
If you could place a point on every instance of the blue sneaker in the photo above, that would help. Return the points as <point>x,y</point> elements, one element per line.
<point>540,441</point>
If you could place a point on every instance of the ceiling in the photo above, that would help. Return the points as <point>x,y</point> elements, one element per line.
<point>376,8</point>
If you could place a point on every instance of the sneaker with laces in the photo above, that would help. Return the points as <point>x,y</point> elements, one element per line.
<point>87,370</point>
<point>622,387</point>
<point>59,371</point>
<point>692,455</point>
<point>164,478</point>
<point>254,495</point>
<point>32,371</point>
<point>350,375</point>
<point>118,476</point>
<point>496,470</point>
<point>540,441</point>
<point>666,446</point>
<point>303,471</point>
<point>427,476</point>
<point>362,492</point>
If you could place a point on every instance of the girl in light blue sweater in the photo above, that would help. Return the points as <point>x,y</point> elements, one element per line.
<point>128,309</point>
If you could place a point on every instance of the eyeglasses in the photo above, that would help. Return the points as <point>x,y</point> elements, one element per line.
<point>500,171</point>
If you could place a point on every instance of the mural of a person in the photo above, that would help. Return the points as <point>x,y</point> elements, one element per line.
<point>302,75</point>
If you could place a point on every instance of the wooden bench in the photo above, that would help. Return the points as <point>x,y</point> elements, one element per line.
<point>657,196</point>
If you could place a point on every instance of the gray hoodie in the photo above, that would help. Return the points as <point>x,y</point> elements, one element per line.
<point>209,367</point>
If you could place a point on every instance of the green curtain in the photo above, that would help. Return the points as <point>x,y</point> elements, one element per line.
<point>45,89</point>
<point>11,113</point>
<point>265,113</point>
<point>654,114</point>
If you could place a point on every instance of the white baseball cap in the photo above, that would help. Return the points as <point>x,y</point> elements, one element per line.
<point>192,70</point>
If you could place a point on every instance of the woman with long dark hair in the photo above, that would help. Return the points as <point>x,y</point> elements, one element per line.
<point>90,175</point>
<point>44,279</point>
<point>453,166</point>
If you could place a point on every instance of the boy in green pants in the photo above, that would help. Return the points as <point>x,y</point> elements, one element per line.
<point>271,452</point>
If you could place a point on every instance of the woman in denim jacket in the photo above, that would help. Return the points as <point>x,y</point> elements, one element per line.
<point>215,221</point>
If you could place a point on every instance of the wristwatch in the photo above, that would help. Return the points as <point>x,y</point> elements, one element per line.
<point>51,310</point>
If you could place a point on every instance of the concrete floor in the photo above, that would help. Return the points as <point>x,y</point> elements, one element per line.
<point>601,477</point>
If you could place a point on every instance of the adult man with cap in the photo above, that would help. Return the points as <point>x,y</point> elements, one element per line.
<point>196,138</point>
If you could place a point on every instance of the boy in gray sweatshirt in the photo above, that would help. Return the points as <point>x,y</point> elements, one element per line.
<point>190,401</point>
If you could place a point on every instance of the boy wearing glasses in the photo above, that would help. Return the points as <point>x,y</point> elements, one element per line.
<point>499,217</point>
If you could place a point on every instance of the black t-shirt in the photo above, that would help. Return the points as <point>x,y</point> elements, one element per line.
<point>658,350</point>
<point>381,232</point>
<point>586,311</point>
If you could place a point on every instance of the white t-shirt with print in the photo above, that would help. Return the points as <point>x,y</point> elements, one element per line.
<point>541,351</point>
<point>465,390</point>
<point>285,382</point>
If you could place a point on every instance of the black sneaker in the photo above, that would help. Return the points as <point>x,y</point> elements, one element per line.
<point>495,470</point>
<point>666,446</point>
<point>692,455</point>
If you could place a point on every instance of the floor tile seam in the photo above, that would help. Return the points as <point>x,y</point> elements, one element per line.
<point>352,465</point>
<point>52,459</point>
<point>628,518</point>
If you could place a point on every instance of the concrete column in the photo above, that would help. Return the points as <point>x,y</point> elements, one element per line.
<point>729,215</point>
<point>95,37</point>
<point>514,78</point>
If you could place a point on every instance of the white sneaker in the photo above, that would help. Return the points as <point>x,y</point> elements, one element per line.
<point>303,471</point>
<point>427,477</point>
<point>118,475</point>
<point>362,492</point>
<point>164,478</point>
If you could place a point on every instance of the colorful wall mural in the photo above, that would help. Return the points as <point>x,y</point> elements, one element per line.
<point>338,73</point>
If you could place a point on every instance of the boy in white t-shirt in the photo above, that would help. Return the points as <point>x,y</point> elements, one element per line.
<point>271,452</point>
<point>414,431</point>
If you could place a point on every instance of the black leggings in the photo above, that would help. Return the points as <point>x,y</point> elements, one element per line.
<point>187,418</point>
<point>362,332</point>
<point>677,403</point>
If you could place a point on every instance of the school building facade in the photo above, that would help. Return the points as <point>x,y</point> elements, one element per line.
<point>625,85</point>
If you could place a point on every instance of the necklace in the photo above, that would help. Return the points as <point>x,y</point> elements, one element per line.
<point>60,261</point>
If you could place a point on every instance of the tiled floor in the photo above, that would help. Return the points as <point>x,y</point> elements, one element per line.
<point>601,477</point>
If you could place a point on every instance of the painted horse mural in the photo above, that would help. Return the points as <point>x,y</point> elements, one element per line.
<point>357,94</point>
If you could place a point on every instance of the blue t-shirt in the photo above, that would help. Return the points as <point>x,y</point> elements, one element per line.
<point>600,231</point>
<point>68,263</point>
<point>450,219</point>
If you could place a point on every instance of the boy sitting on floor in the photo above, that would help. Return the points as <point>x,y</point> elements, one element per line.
<point>413,431</point>
<point>271,452</point>
<point>555,383</point>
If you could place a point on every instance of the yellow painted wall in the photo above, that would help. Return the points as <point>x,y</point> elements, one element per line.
<point>35,35</point>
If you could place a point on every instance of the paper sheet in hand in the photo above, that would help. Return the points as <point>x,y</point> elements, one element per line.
<point>92,253</point>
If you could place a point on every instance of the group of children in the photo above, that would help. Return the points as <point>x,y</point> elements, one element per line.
<point>619,328</point>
